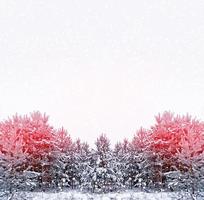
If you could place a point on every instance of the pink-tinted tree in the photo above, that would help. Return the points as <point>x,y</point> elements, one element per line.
<point>173,139</point>
<point>33,137</point>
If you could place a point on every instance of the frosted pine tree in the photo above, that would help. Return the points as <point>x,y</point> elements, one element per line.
<point>63,165</point>
<point>190,157</point>
<point>121,155</point>
<point>106,176</point>
<point>82,157</point>
<point>13,162</point>
<point>140,161</point>
<point>100,175</point>
<point>165,137</point>
<point>88,174</point>
<point>178,144</point>
<point>39,137</point>
<point>33,137</point>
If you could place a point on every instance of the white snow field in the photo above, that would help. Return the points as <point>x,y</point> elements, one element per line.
<point>111,196</point>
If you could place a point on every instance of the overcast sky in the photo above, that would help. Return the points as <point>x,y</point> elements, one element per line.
<point>101,66</point>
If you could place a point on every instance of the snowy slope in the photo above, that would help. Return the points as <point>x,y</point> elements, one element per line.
<point>112,196</point>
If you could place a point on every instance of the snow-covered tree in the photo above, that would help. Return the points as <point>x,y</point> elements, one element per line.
<point>99,175</point>
<point>121,154</point>
<point>13,161</point>
<point>33,138</point>
<point>178,143</point>
<point>81,161</point>
<point>140,161</point>
<point>88,174</point>
<point>190,159</point>
<point>62,168</point>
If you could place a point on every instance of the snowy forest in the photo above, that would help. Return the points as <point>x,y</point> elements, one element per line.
<point>169,156</point>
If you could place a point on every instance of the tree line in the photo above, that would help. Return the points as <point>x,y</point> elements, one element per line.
<point>169,155</point>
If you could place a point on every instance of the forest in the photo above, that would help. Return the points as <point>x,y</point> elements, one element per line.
<point>169,156</point>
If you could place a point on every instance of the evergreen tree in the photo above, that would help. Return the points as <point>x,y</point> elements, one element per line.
<point>178,144</point>
<point>31,138</point>
<point>122,156</point>
<point>140,161</point>
<point>100,175</point>
<point>82,157</point>
<point>64,155</point>
<point>13,161</point>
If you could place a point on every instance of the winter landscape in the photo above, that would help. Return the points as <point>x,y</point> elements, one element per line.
<point>165,161</point>
<point>101,100</point>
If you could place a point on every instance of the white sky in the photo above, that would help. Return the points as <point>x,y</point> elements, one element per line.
<point>101,66</point>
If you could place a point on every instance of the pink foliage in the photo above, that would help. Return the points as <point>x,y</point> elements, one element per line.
<point>34,131</point>
<point>32,134</point>
<point>177,137</point>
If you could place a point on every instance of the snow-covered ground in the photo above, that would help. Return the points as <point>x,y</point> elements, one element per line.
<point>112,196</point>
